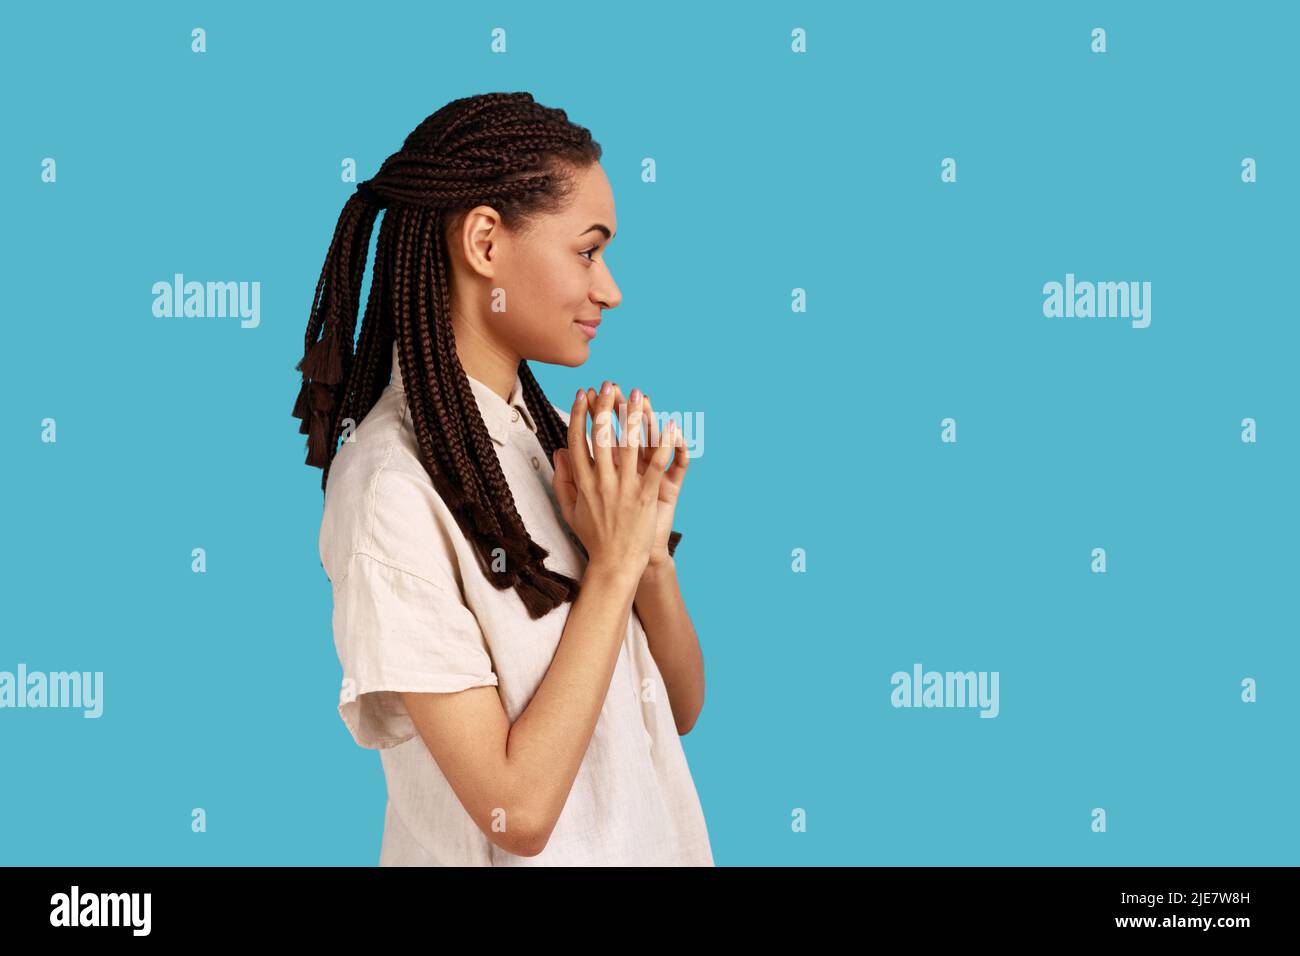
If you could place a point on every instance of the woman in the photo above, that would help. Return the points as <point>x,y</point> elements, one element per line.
<point>490,584</point>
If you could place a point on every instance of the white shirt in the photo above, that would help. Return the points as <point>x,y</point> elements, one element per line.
<point>413,612</point>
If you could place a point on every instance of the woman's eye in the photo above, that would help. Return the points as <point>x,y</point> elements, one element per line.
<point>586,251</point>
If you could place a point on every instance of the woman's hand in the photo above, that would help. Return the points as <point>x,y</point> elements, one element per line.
<point>671,485</point>
<point>609,494</point>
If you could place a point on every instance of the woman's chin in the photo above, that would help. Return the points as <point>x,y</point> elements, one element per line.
<point>570,357</point>
<point>580,355</point>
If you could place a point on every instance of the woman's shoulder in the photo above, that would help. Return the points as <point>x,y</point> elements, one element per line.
<point>380,501</point>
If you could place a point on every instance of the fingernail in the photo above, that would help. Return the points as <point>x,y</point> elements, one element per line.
<point>579,395</point>
<point>604,389</point>
<point>636,395</point>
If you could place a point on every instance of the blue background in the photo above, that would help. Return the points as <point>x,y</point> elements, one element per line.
<point>775,171</point>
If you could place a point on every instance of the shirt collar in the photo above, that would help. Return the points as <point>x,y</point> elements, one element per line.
<point>498,413</point>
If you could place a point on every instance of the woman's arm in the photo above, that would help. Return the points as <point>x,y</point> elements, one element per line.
<point>527,769</point>
<point>672,640</point>
<point>518,777</point>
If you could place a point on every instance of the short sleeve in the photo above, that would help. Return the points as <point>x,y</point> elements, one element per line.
<point>396,631</point>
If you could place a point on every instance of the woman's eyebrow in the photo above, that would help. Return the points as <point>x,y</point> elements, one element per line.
<point>603,228</point>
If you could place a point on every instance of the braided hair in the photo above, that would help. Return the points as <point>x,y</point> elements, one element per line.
<point>499,149</point>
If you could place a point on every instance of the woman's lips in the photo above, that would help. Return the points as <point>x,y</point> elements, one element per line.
<point>588,327</point>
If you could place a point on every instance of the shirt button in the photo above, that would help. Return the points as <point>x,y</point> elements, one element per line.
<point>514,414</point>
<point>536,463</point>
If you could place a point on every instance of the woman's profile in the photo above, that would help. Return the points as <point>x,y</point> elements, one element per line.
<point>506,607</point>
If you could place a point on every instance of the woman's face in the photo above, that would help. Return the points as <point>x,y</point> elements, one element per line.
<point>531,290</point>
